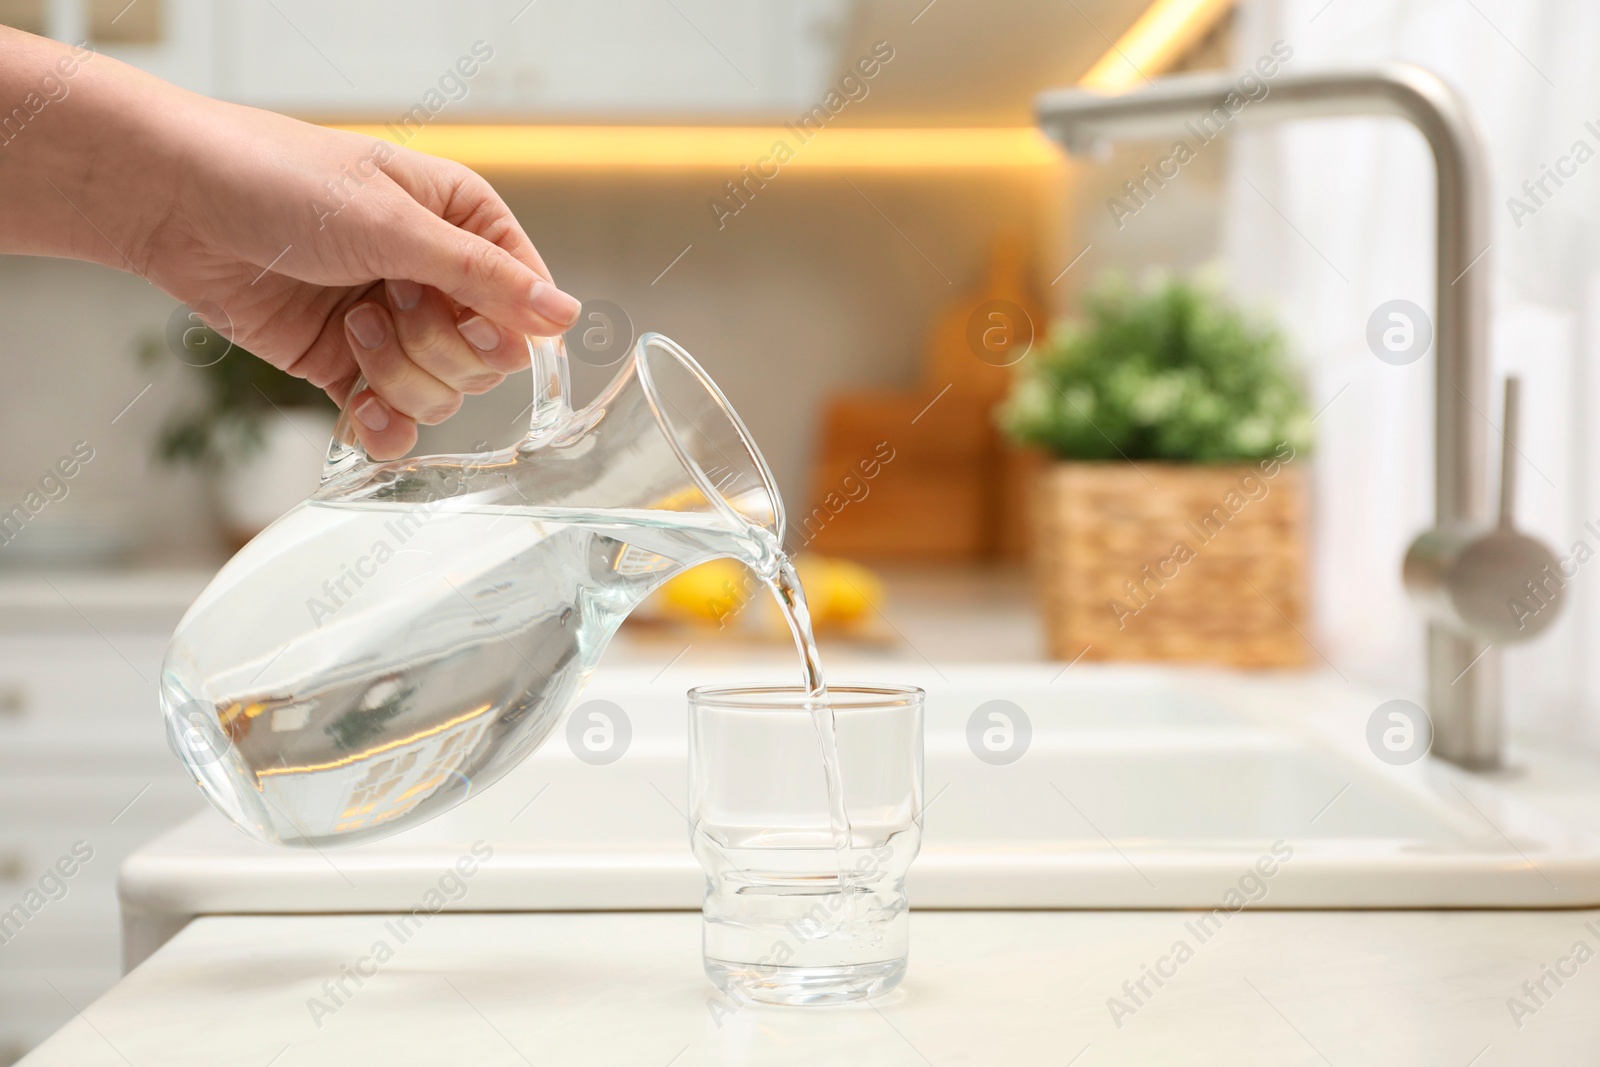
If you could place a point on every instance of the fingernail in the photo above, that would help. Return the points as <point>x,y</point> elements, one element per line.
<point>373,415</point>
<point>560,308</point>
<point>481,333</point>
<point>403,294</point>
<point>366,322</point>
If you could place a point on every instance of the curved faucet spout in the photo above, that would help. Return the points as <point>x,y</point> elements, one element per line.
<point>1463,672</point>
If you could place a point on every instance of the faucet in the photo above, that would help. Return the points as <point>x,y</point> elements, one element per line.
<point>1464,572</point>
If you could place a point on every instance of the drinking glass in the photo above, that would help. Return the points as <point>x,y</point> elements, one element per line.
<point>790,918</point>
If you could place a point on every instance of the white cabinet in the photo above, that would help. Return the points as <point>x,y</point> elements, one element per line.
<point>548,60</point>
<point>84,766</point>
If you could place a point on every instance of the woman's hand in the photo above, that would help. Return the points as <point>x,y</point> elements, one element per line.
<point>327,254</point>
<point>286,233</point>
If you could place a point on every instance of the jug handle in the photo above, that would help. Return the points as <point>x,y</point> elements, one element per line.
<point>551,404</point>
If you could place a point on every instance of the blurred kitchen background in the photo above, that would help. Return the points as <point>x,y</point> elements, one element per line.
<point>833,307</point>
<point>830,281</point>
<point>833,278</point>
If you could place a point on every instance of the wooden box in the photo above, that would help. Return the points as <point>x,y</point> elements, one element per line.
<point>1173,562</point>
<point>903,476</point>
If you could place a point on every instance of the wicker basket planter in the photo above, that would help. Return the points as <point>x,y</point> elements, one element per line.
<point>1173,562</point>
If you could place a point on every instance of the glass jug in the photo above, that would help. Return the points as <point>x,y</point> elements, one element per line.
<point>416,627</point>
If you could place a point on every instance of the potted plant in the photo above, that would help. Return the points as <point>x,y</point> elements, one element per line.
<point>258,433</point>
<point>1170,522</point>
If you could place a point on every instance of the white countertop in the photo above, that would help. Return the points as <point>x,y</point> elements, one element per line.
<point>1019,987</point>
<point>147,598</point>
<point>1011,988</point>
<point>985,987</point>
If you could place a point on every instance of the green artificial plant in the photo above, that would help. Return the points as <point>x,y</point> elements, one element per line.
<point>240,391</point>
<point>1170,371</point>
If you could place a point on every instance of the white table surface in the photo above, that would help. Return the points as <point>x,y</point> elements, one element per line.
<point>1005,988</point>
<point>75,600</point>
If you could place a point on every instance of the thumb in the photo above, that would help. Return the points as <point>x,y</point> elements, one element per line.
<point>479,274</point>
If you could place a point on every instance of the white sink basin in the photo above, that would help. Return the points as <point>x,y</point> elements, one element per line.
<point>1141,788</point>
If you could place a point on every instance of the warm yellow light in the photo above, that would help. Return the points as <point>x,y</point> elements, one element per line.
<point>1161,36</point>
<point>725,148</point>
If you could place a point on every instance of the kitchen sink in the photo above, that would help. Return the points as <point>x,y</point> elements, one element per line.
<point>1139,788</point>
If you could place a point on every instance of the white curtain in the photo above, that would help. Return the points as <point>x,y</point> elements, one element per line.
<point>1328,219</point>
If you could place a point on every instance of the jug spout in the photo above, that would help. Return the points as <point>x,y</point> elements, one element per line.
<point>417,627</point>
<point>661,435</point>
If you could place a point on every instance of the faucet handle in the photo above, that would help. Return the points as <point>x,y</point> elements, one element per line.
<point>1489,583</point>
<point>1509,436</point>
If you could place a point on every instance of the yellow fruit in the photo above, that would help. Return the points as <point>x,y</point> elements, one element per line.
<point>853,592</point>
<point>839,592</point>
<point>845,592</point>
<point>711,591</point>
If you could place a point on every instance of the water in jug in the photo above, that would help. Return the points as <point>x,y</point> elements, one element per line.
<point>415,628</point>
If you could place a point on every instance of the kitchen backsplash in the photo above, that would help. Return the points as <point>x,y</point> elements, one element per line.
<point>811,290</point>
